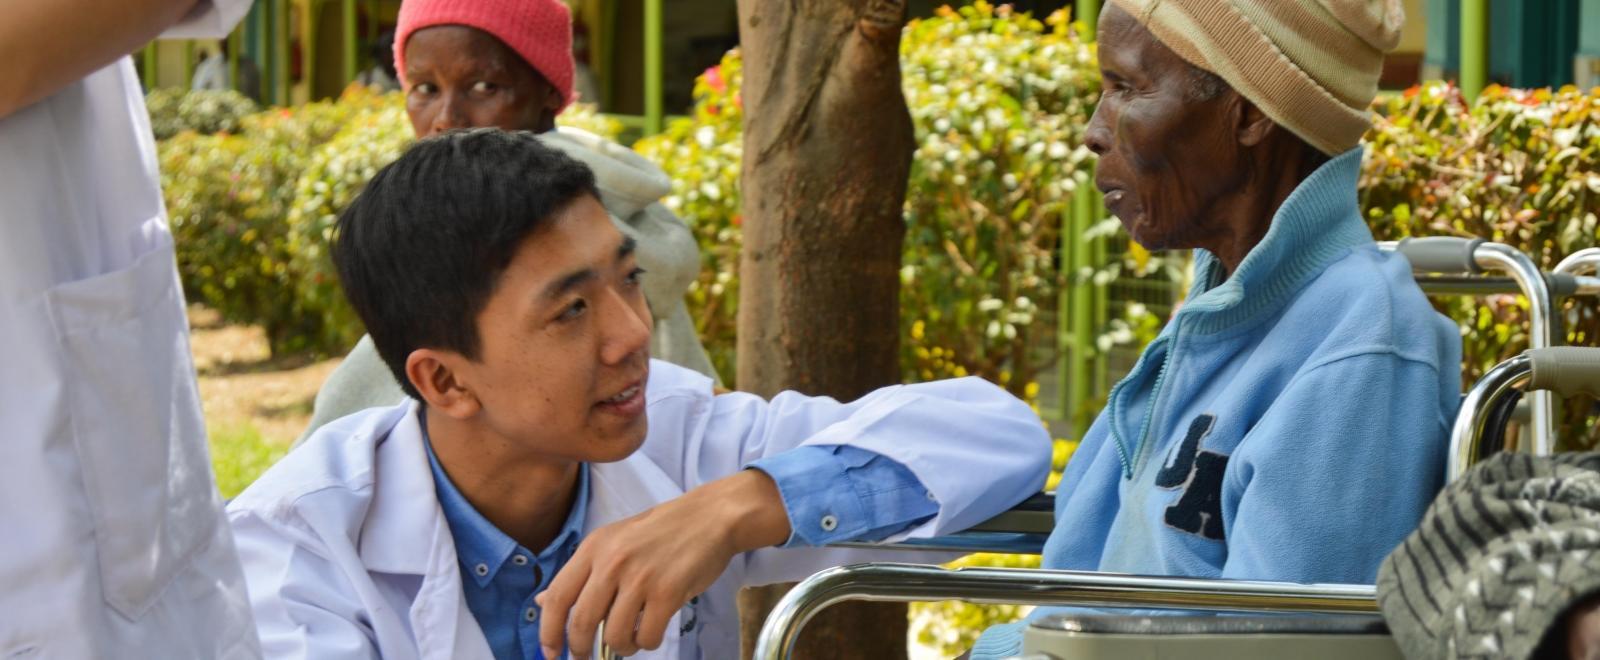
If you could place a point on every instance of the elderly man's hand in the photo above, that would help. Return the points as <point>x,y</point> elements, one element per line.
<point>635,573</point>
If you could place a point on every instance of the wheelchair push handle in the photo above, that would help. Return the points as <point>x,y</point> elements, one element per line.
<point>1441,254</point>
<point>1566,370</point>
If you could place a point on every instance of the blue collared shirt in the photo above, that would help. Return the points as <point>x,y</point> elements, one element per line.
<point>832,493</point>
<point>499,576</point>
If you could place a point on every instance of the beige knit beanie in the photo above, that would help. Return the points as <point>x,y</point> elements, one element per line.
<point>1310,65</point>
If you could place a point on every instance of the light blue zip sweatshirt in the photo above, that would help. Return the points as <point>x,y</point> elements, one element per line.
<point>1289,423</point>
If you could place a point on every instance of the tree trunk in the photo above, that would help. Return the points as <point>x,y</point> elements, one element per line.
<point>828,144</point>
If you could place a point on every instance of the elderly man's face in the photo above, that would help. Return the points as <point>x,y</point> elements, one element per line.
<point>1167,154</point>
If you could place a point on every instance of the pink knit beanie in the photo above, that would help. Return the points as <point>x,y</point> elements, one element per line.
<point>539,30</point>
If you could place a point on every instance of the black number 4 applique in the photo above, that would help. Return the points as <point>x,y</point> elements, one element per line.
<point>1199,510</point>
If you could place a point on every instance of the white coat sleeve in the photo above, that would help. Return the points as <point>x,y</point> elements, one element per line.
<point>304,606</point>
<point>976,448</point>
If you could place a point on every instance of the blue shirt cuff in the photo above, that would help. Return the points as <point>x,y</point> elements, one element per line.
<point>838,493</point>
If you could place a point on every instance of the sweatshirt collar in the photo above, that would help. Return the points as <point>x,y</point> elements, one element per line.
<point>1316,225</point>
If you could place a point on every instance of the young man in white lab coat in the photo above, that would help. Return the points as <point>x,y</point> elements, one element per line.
<point>114,541</point>
<point>547,475</point>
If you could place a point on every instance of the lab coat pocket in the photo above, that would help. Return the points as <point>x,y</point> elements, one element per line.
<point>134,416</point>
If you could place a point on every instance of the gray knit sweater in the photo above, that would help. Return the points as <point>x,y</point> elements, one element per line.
<point>1498,559</point>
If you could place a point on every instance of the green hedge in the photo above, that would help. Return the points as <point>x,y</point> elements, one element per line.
<point>175,110</point>
<point>1519,167</point>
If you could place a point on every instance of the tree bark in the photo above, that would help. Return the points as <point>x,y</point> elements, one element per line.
<point>828,143</point>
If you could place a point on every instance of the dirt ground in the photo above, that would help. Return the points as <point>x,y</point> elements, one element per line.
<point>241,384</point>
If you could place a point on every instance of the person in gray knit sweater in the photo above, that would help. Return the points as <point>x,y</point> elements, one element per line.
<point>458,75</point>
<point>1506,564</point>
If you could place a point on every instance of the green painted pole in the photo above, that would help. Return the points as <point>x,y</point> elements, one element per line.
<point>1088,11</point>
<point>1066,349</point>
<point>149,56</point>
<point>1100,302</point>
<point>280,51</point>
<point>1474,47</point>
<point>235,40</point>
<point>348,16</point>
<point>308,47</point>
<point>1082,302</point>
<point>652,67</point>
<point>188,64</point>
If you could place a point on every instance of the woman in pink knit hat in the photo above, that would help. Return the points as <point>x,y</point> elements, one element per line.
<point>508,64</point>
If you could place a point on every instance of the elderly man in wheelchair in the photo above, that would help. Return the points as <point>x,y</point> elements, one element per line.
<point>1294,419</point>
<point>1289,423</point>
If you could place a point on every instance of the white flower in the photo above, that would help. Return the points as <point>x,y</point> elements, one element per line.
<point>706,136</point>
<point>1010,181</point>
<point>990,304</point>
<point>1564,137</point>
<point>1058,150</point>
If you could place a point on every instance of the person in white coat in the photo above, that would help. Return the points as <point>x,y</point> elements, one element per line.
<point>114,540</point>
<point>547,476</point>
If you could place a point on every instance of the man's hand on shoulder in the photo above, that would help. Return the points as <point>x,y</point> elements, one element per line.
<point>636,573</point>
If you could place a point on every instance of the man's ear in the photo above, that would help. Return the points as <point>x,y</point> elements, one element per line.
<point>552,101</point>
<point>436,375</point>
<point>1254,125</point>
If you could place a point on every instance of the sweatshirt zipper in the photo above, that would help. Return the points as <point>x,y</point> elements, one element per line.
<point>1123,451</point>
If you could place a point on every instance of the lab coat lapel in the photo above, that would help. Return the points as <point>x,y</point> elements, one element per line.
<point>406,534</point>
<point>626,488</point>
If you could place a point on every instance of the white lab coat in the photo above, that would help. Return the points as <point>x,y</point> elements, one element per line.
<point>113,542</point>
<point>348,554</point>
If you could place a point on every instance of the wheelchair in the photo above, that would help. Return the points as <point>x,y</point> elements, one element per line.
<point>1269,619</point>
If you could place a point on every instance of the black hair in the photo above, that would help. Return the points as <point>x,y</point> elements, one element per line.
<point>420,250</point>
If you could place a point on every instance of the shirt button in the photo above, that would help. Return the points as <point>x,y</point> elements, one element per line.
<point>481,569</point>
<point>931,498</point>
<point>519,560</point>
<point>530,615</point>
<point>830,523</point>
